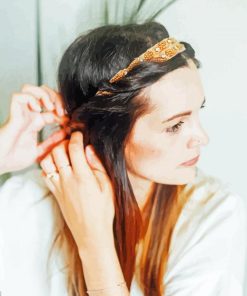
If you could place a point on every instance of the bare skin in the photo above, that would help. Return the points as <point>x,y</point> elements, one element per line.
<point>154,153</point>
<point>148,161</point>
<point>25,121</point>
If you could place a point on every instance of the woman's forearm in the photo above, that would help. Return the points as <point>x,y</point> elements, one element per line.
<point>2,171</point>
<point>102,269</point>
<point>3,151</point>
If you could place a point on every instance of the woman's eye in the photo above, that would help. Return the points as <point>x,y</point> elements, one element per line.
<point>203,105</point>
<point>175,128</point>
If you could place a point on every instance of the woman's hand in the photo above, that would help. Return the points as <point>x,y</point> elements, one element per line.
<point>82,189</point>
<point>19,135</point>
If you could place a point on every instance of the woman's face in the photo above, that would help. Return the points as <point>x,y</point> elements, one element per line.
<point>162,140</point>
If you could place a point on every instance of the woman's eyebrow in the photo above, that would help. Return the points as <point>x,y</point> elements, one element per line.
<point>181,114</point>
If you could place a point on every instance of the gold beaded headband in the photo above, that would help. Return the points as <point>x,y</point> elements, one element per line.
<point>160,52</point>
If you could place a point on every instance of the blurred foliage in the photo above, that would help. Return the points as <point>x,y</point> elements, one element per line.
<point>104,12</point>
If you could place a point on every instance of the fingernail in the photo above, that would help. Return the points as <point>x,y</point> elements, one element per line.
<point>38,108</point>
<point>49,104</point>
<point>50,117</point>
<point>90,153</point>
<point>60,111</point>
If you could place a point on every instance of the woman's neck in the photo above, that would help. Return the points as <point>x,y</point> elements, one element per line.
<point>142,189</point>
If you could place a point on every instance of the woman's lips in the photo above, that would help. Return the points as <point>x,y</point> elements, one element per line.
<point>191,162</point>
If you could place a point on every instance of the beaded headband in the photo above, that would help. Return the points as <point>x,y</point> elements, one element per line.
<point>160,52</point>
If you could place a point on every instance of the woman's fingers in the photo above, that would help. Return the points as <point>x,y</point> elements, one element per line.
<point>97,167</point>
<point>26,99</point>
<point>50,98</point>
<point>50,183</point>
<point>39,94</point>
<point>48,166</point>
<point>84,163</point>
<point>33,103</point>
<point>48,144</point>
<point>77,155</point>
<point>57,100</point>
<point>50,117</point>
<point>69,157</point>
<point>61,159</point>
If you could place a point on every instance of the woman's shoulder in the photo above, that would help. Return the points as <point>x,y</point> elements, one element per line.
<point>26,201</point>
<point>212,204</point>
<point>211,196</point>
<point>23,184</point>
<point>29,223</point>
<point>25,196</point>
<point>212,201</point>
<point>210,234</point>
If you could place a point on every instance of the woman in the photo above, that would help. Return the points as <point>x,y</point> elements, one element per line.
<point>125,203</point>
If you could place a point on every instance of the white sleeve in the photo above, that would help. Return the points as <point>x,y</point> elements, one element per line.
<point>208,253</point>
<point>27,231</point>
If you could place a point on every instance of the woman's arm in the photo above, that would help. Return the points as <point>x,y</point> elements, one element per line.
<point>102,269</point>
<point>19,147</point>
<point>85,196</point>
<point>3,157</point>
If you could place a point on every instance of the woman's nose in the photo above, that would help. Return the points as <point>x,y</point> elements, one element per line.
<point>200,137</point>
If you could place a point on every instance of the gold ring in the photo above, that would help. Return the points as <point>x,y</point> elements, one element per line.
<point>52,175</point>
<point>64,166</point>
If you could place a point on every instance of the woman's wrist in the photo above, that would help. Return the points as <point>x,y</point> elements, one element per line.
<point>3,152</point>
<point>7,141</point>
<point>101,265</point>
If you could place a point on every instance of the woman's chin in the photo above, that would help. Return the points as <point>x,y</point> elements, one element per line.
<point>188,174</point>
<point>184,175</point>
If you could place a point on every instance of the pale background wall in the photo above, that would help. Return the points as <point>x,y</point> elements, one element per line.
<point>218,32</point>
<point>215,28</point>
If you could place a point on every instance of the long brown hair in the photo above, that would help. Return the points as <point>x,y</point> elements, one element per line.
<point>106,121</point>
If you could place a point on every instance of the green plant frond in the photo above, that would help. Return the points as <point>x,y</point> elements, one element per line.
<point>133,11</point>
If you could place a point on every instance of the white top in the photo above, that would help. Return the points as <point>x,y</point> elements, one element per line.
<point>208,247</point>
